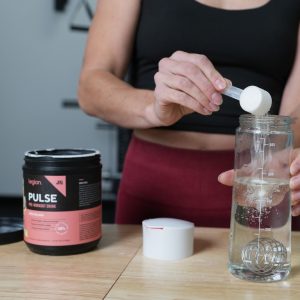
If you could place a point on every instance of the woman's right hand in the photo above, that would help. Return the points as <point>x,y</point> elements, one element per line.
<point>186,83</point>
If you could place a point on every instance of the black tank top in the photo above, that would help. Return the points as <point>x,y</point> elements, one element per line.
<point>250,47</point>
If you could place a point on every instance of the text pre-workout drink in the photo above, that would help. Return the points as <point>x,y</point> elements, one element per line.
<point>62,200</point>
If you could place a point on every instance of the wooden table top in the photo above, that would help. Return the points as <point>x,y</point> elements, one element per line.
<point>118,270</point>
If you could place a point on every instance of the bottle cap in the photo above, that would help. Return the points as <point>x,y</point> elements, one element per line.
<point>168,239</point>
<point>255,100</point>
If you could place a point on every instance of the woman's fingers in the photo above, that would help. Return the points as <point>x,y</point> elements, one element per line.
<point>295,182</point>
<point>205,65</point>
<point>166,95</point>
<point>295,197</point>
<point>296,210</point>
<point>295,164</point>
<point>194,75</point>
<point>185,83</point>
<point>191,71</point>
<point>226,177</point>
<point>187,90</point>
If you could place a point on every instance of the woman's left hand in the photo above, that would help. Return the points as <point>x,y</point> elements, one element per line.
<point>227,177</point>
<point>295,182</point>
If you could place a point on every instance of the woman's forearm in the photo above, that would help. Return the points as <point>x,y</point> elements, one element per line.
<point>103,95</point>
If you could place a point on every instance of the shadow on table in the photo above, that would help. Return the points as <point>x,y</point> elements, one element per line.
<point>295,271</point>
<point>201,245</point>
<point>125,234</point>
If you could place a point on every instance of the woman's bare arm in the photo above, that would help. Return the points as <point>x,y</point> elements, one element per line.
<point>102,92</point>
<point>185,82</point>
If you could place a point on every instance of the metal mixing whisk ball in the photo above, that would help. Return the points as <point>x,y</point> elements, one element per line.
<point>264,256</point>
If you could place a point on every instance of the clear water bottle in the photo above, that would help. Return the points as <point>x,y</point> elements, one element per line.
<point>260,231</point>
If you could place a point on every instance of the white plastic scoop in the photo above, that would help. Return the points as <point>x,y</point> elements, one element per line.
<point>252,99</point>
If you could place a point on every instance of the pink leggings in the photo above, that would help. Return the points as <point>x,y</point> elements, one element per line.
<point>160,181</point>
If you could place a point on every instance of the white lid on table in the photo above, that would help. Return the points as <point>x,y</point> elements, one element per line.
<point>167,238</point>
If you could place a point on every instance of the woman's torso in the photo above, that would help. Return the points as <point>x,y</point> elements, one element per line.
<point>251,42</point>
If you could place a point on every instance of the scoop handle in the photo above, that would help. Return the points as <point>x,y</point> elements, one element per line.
<point>233,92</point>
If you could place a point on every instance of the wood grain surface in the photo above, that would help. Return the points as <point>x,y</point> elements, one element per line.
<point>201,276</point>
<point>117,270</point>
<point>26,275</point>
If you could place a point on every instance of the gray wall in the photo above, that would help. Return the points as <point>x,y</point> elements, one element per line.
<point>40,60</point>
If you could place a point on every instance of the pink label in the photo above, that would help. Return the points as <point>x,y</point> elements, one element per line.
<point>59,182</point>
<point>62,228</point>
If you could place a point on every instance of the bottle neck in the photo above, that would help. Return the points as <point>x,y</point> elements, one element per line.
<point>265,123</point>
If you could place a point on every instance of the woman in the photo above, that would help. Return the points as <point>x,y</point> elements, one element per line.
<point>182,55</point>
